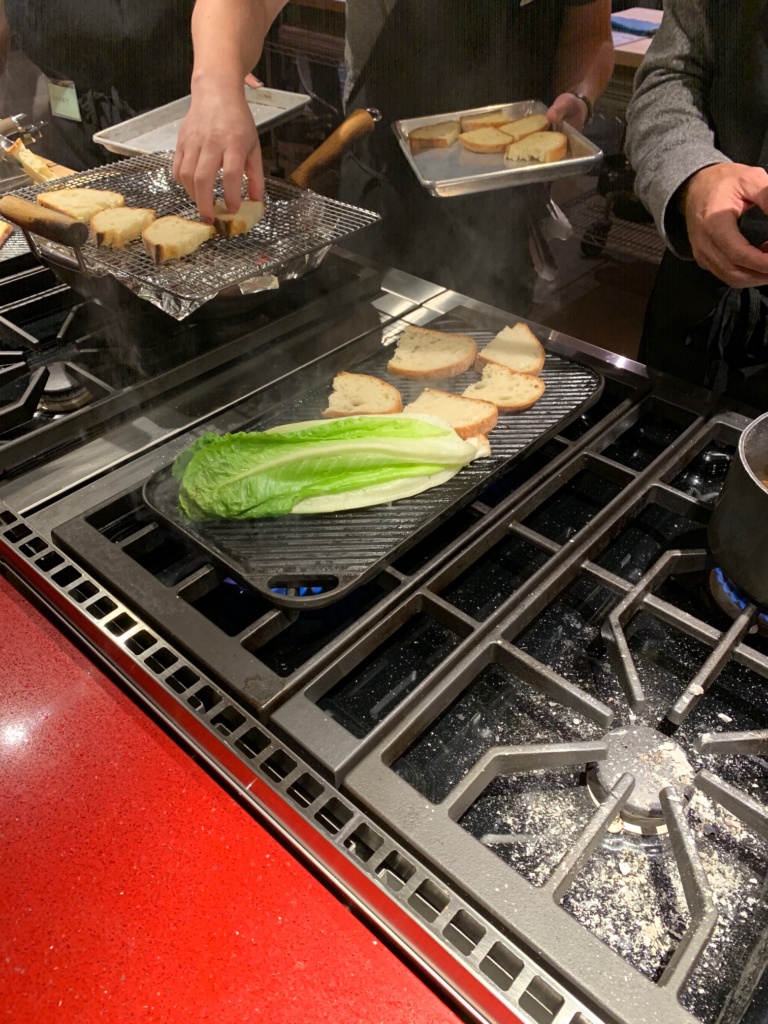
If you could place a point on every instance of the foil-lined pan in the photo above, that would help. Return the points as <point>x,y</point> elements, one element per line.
<point>296,231</point>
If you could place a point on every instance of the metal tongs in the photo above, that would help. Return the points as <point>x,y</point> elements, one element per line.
<point>16,127</point>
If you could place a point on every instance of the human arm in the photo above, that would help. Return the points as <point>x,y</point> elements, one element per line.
<point>584,60</point>
<point>219,131</point>
<point>695,193</point>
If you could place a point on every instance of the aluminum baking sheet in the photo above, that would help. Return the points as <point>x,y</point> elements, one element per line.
<point>158,130</point>
<point>348,548</point>
<point>297,225</point>
<point>453,171</point>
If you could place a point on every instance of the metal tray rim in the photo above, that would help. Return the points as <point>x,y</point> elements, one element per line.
<point>505,177</point>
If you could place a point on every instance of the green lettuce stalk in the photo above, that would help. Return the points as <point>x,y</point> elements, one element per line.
<point>318,466</point>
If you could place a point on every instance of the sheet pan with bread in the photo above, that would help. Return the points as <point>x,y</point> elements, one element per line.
<point>490,148</point>
<point>492,386</point>
<point>137,224</point>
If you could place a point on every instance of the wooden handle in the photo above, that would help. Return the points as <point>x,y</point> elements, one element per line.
<point>51,225</point>
<point>359,123</point>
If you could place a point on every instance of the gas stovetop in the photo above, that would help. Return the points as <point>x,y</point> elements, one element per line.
<point>533,748</point>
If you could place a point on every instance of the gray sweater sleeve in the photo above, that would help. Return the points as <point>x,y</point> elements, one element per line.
<point>669,136</point>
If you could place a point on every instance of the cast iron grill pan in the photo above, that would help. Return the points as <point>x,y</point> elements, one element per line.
<point>296,223</point>
<point>340,551</point>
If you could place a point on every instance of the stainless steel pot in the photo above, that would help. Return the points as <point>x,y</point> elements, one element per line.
<point>738,529</point>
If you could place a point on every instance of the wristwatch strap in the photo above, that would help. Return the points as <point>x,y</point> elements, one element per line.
<point>587,103</point>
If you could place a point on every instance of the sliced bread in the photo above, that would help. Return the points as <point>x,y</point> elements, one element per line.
<point>170,238</point>
<point>516,347</point>
<point>490,119</point>
<point>37,168</point>
<point>432,136</point>
<point>358,394</point>
<point>467,416</point>
<point>80,203</point>
<point>541,147</point>
<point>423,354</point>
<point>509,391</point>
<point>230,224</point>
<point>485,140</point>
<point>525,126</point>
<point>6,230</point>
<point>113,228</point>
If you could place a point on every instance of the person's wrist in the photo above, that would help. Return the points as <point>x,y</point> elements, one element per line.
<point>588,105</point>
<point>223,83</point>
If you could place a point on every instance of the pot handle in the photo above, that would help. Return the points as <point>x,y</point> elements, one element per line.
<point>51,225</point>
<point>360,122</point>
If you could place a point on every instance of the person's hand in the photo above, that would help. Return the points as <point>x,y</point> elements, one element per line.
<point>712,201</point>
<point>570,108</point>
<point>218,133</point>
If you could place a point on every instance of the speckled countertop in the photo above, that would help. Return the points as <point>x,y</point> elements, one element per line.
<point>133,887</point>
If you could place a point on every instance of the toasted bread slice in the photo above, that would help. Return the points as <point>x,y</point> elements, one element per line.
<point>113,228</point>
<point>467,416</point>
<point>357,394</point>
<point>508,390</point>
<point>37,168</point>
<point>6,230</point>
<point>525,126</point>
<point>485,140</point>
<point>170,238</point>
<point>433,136</point>
<point>541,147</point>
<point>80,203</point>
<point>423,354</point>
<point>230,224</point>
<point>517,348</point>
<point>491,119</point>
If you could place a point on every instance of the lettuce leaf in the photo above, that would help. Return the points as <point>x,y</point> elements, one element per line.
<point>317,466</point>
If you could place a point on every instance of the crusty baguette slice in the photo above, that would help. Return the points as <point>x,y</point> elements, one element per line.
<point>525,126</point>
<point>516,347</point>
<point>433,136</point>
<point>509,391</point>
<point>485,140</point>
<point>491,119</point>
<point>113,228</point>
<point>6,230</point>
<point>423,354</point>
<point>170,238</point>
<point>543,147</point>
<point>467,416</point>
<point>80,203</point>
<point>230,224</point>
<point>37,168</point>
<point>357,394</point>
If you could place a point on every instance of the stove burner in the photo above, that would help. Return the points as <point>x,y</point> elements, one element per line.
<point>656,761</point>
<point>733,600</point>
<point>63,391</point>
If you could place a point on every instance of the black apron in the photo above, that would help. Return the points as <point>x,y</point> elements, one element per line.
<point>435,56</point>
<point>124,57</point>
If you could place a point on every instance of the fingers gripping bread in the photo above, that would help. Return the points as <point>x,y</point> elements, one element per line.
<point>467,416</point>
<point>358,394</point>
<point>516,347</point>
<point>508,390</point>
<point>170,238</point>
<point>423,354</point>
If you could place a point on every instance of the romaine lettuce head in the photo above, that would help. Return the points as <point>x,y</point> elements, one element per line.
<point>317,466</point>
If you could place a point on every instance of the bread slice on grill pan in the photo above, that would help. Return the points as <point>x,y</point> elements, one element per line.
<point>424,354</point>
<point>467,416</point>
<point>113,228</point>
<point>6,230</point>
<point>359,394</point>
<point>80,203</point>
<point>517,348</point>
<point>508,390</point>
<point>230,224</point>
<point>170,238</point>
